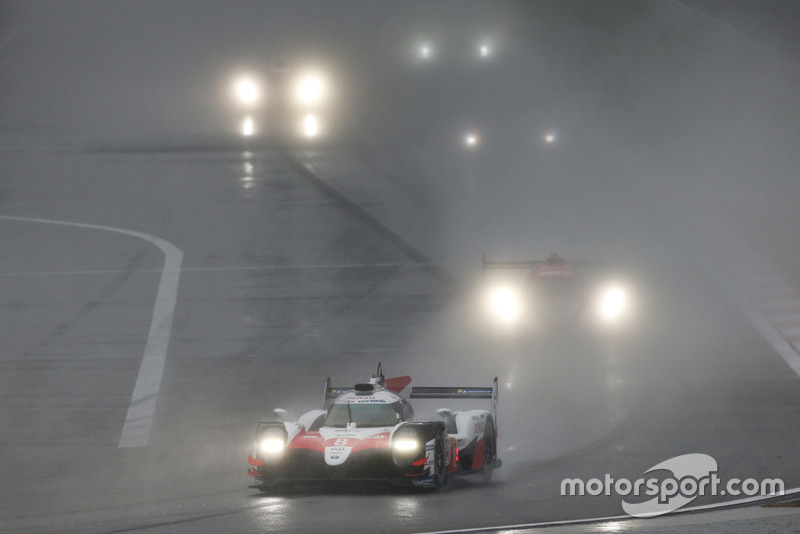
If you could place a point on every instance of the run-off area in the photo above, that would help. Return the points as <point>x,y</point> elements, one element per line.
<point>75,305</point>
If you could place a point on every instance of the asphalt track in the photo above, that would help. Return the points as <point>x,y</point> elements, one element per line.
<point>281,285</point>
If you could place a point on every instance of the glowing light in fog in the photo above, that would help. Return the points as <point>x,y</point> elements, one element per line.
<point>614,303</point>
<point>425,51</point>
<point>484,50</point>
<point>471,139</point>
<point>272,445</point>
<point>247,91</point>
<point>550,137</point>
<point>248,126</point>
<point>310,125</point>
<point>504,304</point>
<point>310,89</point>
<point>247,180</point>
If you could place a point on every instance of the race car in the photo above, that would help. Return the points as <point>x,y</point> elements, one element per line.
<point>369,432</point>
<point>555,293</point>
<point>294,105</point>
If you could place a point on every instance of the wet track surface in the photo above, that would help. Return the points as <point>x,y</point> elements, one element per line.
<point>281,286</point>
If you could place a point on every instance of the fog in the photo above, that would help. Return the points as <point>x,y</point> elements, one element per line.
<point>656,137</point>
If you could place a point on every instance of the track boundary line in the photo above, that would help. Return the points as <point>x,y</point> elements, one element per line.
<point>142,408</point>
<point>596,520</point>
<point>308,267</point>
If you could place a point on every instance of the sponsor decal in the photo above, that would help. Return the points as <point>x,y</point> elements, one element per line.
<point>337,451</point>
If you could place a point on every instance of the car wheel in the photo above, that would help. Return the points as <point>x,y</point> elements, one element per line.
<point>439,463</point>
<point>489,450</point>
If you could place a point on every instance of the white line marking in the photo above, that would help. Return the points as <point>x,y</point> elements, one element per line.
<point>142,409</point>
<point>596,520</point>
<point>225,268</point>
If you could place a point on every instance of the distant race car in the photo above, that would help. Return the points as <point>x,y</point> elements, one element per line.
<point>555,293</point>
<point>368,432</point>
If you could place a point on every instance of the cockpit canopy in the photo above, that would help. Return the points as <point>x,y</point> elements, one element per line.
<point>368,414</point>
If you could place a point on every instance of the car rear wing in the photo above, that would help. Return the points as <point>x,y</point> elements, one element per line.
<point>421,392</point>
<point>508,264</point>
<point>583,265</point>
<point>332,392</point>
<point>463,392</point>
<point>398,384</point>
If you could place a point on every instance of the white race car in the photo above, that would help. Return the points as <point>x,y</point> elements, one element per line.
<point>368,432</point>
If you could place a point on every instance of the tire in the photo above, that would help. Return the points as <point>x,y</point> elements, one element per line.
<point>439,463</point>
<point>489,450</point>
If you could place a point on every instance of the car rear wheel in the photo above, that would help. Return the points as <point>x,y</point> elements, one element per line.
<point>489,450</point>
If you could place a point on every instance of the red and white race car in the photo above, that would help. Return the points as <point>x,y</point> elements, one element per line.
<point>368,432</point>
<point>555,293</point>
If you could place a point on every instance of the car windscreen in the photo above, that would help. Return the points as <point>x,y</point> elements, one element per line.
<point>558,286</point>
<point>362,415</point>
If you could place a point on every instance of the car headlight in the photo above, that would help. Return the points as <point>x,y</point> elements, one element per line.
<point>406,444</point>
<point>505,304</point>
<point>248,126</point>
<point>310,89</point>
<point>247,91</point>
<point>310,125</point>
<point>614,303</point>
<point>271,443</point>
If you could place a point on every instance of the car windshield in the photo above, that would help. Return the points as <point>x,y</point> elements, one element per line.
<point>362,415</point>
<point>558,286</point>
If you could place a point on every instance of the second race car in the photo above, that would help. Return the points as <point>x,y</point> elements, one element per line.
<point>555,293</point>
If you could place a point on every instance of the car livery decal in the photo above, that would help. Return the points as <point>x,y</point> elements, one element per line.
<point>554,271</point>
<point>336,444</point>
<point>377,397</point>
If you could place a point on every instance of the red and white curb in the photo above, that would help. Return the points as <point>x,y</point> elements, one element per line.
<point>763,296</point>
<point>775,299</point>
